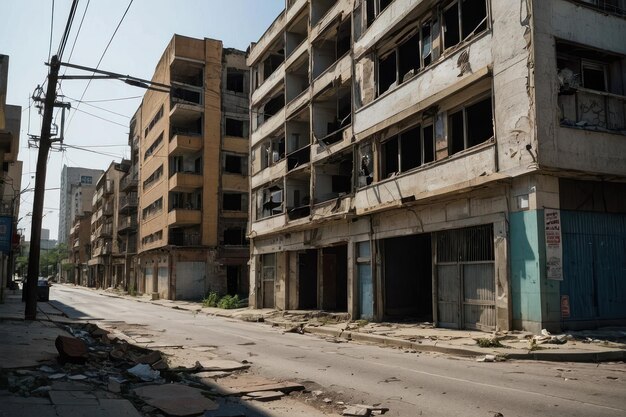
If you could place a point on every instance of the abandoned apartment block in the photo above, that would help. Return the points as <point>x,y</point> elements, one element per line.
<point>192,151</point>
<point>461,162</point>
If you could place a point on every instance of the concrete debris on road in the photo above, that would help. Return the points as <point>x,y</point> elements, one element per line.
<point>144,372</point>
<point>364,410</point>
<point>244,384</point>
<point>176,399</point>
<point>264,395</point>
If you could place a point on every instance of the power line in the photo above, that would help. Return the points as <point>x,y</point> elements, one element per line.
<point>78,32</point>
<point>99,108</point>
<point>68,29</point>
<point>51,30</point>
<point>80,148</point>
<point>99,117</point>
<point>111,99</point>
<point>100,60</point>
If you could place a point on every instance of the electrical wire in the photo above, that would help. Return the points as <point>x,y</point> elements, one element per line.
<point>77,33</point>
<point>81,148</point>
<point>68,29</point>
<point>100,117</point>
<point>100,61</point>
<point>51,30</point>
<point>99,108</point>
<point>111,99</point>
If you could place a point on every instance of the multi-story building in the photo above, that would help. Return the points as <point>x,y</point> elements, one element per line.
<point>80,249</point>
<point>71,204</point>
<point>10,178</point>
<point>461,162</point>
<point>193,178</point>
<point>128,206</point>
<point>105,246</point>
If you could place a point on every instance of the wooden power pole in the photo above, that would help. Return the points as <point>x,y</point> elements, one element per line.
<point>45,142</point>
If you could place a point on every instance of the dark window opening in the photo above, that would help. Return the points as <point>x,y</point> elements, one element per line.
<point>390,157</point>
<point>474,17</point>
<point>344,38</point>
<point>456,139</point>
<point>451,26</point>
<point>298,158</point>
<point>271,202</point>
<point>386,72</point>
<point>429,144</point>
<point>182,94</point>
<point>594,76</point>
<point>334,178</point>
<point>234,236</point>
<point>273,151</point>
<point>233,202</point>
<point>273,106</point>
<point>234,164</point>
<point>235,81</point>
<point>235,127</point>
<point>409,58</point>
<point>479,122</point>
<point>272,63</point>
<point>410,156</point>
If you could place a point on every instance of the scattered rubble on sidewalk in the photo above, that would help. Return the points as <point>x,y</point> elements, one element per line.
<point>364,410</point>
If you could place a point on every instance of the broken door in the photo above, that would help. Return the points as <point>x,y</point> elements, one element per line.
<point>307,280</point>
<point>268,278</point>
<point>335,278</point>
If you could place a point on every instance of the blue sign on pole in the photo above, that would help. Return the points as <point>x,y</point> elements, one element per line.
<point>6,234</point>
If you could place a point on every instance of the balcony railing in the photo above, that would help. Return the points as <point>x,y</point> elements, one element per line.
<point>130,181</point>
<point>128,202</point>
<point>104,230</point>
<point>127,223</point>
<point>593,110</point>
<point>107,210</point>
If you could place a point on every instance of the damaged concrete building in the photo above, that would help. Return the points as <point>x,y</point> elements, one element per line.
<point>193,181</point>
<point>459,161</point>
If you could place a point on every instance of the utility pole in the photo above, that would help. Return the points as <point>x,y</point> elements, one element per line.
<point>45,142</point>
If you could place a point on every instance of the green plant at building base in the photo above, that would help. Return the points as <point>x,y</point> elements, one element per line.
<point>131,290</point>
<point>210,300</point>
<point>484,342</point>
<point>229,302</point>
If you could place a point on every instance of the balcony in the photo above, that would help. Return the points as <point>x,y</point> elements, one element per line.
<point>128,203</point>
<point>127,224</point>
<point>107,189</point>
<point>186,104</point>
<point>593,110</point>
<point>128,247</point>
<point>184,217</point>
<point>130,181</point>
<point>185,181</point>
<point>183,143</point>
<point>107,209</point>
<point>106,230</point>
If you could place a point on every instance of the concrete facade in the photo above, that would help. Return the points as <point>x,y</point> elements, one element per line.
<point>70,205</point>
<point>193,184</point>
<point>106,247</point>
<point>403,155</point>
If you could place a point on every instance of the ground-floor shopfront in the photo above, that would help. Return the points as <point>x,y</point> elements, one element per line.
<point>189,274</point>
<point>486,259</point>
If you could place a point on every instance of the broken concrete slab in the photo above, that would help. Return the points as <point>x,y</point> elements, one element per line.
<point>73,398</point>
<point>176,399</point>
<point>244,384</point>
<point>212,375</point>
<point>71,349</point>
<point>106,408</point>
<point>354,410</point>
<point>265,395</point>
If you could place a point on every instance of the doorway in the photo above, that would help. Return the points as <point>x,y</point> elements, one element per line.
<point>335,278</point>
<point>307,280</point>
<point>268,278</point>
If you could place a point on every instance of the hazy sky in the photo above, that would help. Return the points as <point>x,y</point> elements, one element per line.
<point>145,32</point>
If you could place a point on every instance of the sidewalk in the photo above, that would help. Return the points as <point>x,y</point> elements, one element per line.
<point>602,345</point>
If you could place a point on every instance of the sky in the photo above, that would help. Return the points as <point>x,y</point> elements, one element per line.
<point>30,30</point>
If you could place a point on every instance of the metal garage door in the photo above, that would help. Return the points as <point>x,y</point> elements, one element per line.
<point>148,275</point>
<point>465,279</point>
<point>163,282</point>
<point>594,265</point>
<point>190,278</point>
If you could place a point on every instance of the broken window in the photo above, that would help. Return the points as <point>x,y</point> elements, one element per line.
<point>409,58</point>
<point>237,128</point>
<point>374,8</point>
<point>462,19</point>
<point>387,73</point>
<point>366,165</point>
<point>410,149</point>
<point>235,80</point>
<point>298,198</point>
<point>234,201</point>
<point>270,201</point>
<point>333,178</point>
<point>185,201</point>
<point>451,32</point>
<point>426,43</point>
<point>470,126</point>
<point>235,164</point>
<point>272,152</point>
<point>333,44</point>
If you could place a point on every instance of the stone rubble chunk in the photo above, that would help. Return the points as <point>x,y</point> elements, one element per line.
<point>176,399</point>
<point>71,349</point>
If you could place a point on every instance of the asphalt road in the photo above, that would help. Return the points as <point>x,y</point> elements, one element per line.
<point>409,384</point>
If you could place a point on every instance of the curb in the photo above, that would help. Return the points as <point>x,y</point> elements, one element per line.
<point>589,357</point>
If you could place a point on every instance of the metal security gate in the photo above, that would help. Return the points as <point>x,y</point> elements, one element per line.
<point>190,277</point>
<point>268,279</point>
<point>594,266</point>
<point>465,278</point>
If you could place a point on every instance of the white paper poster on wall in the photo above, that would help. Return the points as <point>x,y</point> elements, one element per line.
<point>554,247</point>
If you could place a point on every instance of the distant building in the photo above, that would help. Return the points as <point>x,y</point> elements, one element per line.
<point>77,185</point>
